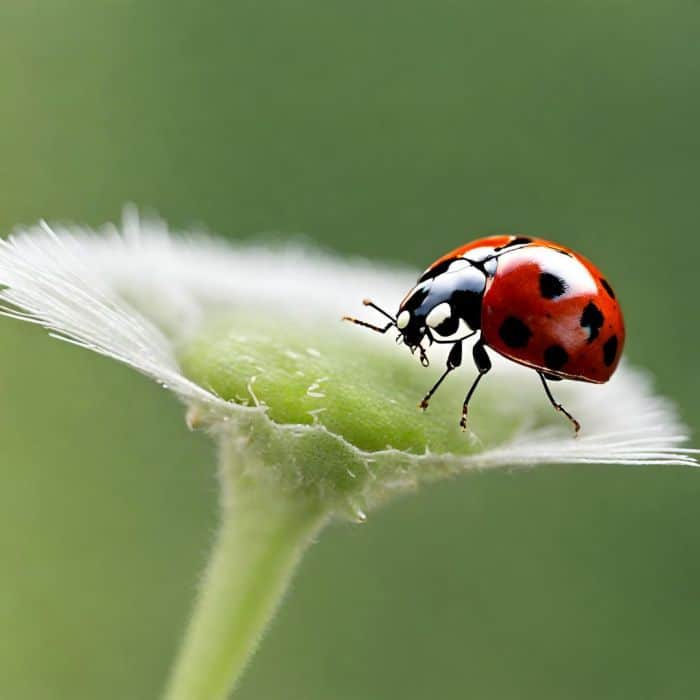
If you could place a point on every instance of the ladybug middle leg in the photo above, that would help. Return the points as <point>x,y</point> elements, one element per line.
<point>557,405</point>
<point>483,365</point>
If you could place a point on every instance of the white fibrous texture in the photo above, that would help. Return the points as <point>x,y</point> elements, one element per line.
<point>134,292</point>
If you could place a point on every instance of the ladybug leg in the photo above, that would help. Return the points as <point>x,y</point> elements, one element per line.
<point>454,360</point>
<point>423,357</point>
<point>558,406</point>
<point>483,364</point>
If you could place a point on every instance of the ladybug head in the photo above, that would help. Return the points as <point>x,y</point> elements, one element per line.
<point>445,306</point>
<point>411,319</point>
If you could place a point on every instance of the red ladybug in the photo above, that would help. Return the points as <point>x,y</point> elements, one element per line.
<point>535,302</point>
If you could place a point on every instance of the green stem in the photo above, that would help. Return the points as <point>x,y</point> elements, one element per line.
<point>264,531</point>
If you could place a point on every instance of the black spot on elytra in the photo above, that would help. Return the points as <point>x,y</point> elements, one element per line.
<point>514,333</point>
<point>607,287</point>
<point>610,350</point>
<point>555,357</point>
<point>518,240</point>
<point>592,319</point>
<point>551,286</point>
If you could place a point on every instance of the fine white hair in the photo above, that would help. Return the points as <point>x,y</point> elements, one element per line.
<point>133,292</point>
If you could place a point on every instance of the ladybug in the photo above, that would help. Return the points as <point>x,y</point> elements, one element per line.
<point>535,302</point>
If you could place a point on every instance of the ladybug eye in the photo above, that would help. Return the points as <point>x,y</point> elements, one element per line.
<point>403,319</point>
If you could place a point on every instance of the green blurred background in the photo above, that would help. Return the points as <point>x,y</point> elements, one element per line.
<point>392,130</point>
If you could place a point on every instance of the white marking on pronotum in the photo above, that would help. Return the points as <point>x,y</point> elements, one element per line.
<point>480,253</point>
<point>458,264</point>
<point>403,319</point>
<point>438,314</point>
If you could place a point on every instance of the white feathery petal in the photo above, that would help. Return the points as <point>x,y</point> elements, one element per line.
<point>133,293</point>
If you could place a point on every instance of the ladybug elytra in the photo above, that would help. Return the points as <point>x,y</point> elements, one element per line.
<point>535,302</point>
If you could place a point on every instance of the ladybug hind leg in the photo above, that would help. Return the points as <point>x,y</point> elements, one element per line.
<point>483,365</point>
<point>556,404</point>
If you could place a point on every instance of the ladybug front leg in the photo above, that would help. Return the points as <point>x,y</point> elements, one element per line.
<point>454,360</point>
<point>483,364</point>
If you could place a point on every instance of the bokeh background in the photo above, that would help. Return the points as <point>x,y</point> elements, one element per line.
<point>392,130</point>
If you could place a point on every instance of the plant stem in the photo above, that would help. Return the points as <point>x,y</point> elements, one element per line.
<point>263,532</point>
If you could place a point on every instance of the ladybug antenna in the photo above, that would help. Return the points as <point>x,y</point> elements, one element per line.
<point>370,303</point>
<point>371,326</point>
